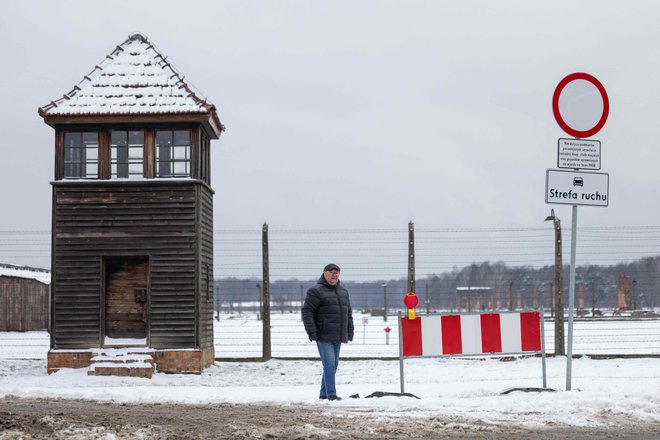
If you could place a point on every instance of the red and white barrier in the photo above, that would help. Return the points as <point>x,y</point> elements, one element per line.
<point>442,335</point>
<point>471,334</point>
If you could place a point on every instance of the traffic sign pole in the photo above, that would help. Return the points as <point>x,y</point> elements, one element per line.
<point>572,122</point>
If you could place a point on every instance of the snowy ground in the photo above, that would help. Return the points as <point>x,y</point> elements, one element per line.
<point>603,392</point>
<point>606,394</point>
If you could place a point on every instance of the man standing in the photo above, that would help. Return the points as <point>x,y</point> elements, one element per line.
<point>328,320</point>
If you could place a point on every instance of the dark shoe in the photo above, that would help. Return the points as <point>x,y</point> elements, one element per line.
<point>334,398</point>
<point>323,397</point>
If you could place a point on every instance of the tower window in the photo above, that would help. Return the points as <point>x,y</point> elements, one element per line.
<point>173,153</point>
<point>127,154</point>
<point>81,155</point>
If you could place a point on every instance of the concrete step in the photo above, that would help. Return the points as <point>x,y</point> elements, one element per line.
<point>133,369</point>
<point>123,358</point>
<point>122,362</point>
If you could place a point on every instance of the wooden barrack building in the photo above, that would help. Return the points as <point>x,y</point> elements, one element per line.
<point>23,298</point>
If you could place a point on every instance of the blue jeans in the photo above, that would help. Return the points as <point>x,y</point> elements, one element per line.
<point>329,352</point>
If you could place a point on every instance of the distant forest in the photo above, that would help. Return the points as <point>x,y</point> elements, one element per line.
<point>479,286</point>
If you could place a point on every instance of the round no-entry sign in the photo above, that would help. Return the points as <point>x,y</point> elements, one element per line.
<point>580,105</point>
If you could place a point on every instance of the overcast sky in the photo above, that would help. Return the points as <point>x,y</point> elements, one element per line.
<point>359,114</point>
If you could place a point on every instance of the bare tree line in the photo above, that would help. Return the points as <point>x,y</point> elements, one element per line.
<point>476,287</point>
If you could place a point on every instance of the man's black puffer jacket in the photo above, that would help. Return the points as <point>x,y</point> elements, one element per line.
<point>327,313</point>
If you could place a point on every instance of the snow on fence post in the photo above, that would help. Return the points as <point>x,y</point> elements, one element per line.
<point>469,334</point>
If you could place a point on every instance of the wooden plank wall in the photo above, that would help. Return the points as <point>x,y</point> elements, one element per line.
<point>23,304</point>
<point>156,219</point>
<point>205,306</point>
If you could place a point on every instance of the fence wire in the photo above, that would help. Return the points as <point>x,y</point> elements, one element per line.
<point>239,337</point>
<point>501,268</point>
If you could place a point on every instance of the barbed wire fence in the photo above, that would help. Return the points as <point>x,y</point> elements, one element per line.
<point>516,264</point>
<point>376,260</point>
<point>378,252</point>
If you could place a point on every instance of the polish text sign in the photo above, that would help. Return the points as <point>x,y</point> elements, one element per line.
<point>577,188</point>
<point>578,153</point>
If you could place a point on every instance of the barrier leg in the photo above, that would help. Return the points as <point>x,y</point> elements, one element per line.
<point>541,315</point>
<point>400,352</point>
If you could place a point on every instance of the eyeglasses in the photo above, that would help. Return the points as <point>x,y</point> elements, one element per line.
<point>334,271</point>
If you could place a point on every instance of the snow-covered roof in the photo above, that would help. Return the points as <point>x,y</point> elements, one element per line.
<point>41,275</point>
<point>134,79</point>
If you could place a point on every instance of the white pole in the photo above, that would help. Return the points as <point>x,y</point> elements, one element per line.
<point>571,300</point>
<point>400,352</point>
<point>542,316</point>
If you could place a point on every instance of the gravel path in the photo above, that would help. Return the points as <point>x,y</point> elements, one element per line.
<point>78,420</point>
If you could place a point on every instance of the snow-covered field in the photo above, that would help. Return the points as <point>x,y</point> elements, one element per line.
<point>240,336</point>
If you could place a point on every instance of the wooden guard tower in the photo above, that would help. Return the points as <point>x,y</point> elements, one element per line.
<point>132,221</point>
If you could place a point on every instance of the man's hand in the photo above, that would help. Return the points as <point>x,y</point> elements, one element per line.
<point>313,337</point>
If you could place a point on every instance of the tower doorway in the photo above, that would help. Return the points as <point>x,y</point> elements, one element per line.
<point>126,300</point>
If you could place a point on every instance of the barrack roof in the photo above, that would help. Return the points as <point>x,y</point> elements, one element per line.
<point>134,79</point>
<point>9,270</point>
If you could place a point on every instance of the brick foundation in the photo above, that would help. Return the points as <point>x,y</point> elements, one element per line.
<point>184,361</point>
<point>123,370</point>
<point>68,359</point>
<point>167,361</point>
